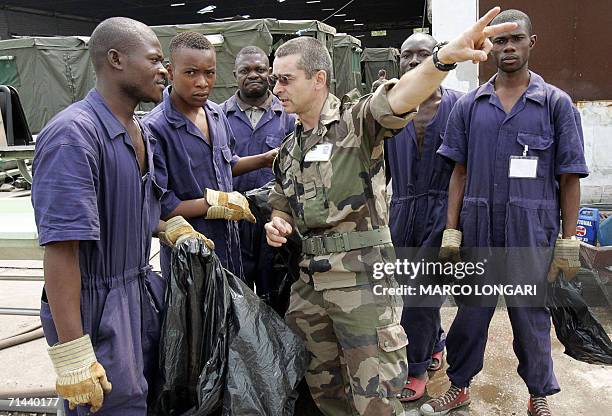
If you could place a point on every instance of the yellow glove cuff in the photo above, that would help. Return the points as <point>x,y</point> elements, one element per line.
<point>72,356</point>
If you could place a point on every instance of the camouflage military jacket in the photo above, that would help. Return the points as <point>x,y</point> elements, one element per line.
<point>346,192</point>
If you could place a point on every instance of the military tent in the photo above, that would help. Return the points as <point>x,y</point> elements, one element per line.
<point>50,73</point>
<point>347,66</point>
<point>374,59</point>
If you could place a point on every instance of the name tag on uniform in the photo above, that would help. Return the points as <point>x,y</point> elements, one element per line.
<point>319,153</point>
<point>523,167</point>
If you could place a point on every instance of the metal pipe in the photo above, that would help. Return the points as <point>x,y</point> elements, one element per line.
<point>25,330</point>
<point>21,339</point>
<point>20,311</point>
<point>10,278</point>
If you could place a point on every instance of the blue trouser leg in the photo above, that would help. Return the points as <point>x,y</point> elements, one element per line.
<point>440,340</point>
<point>531,330</point>
<point>466,342</point>
<point>422,325</point>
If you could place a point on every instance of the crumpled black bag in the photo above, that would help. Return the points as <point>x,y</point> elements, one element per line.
<point>221,348</point>
<point>285,267</point>
<point>577,329</point>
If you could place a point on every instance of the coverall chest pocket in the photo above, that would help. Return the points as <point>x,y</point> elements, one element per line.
<point>272,142</point>
<point>314,196</point>
<point>538,145</point>
<point>542,186</point>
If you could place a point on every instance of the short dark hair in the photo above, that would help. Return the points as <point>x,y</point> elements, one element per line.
<point>120,33</point>
<point>250,50</point>
<point>190,40</point>
<point>313,56</point>
<point>513,15</point>
<point>382,73</point>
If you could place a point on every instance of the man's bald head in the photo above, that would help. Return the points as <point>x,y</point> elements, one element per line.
<point>415,49</point>
<point>422,39</point>
<point>119,33</point>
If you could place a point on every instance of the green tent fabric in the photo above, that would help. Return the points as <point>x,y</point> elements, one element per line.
<point>374,59</point>
<point>230,37</point>
<point>50,73</point>
<point>347,67</point>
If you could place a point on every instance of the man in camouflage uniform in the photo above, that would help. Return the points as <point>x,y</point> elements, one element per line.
<point>330,187</point>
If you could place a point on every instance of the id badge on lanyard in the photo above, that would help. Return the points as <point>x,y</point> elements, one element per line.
<point>523,166</point>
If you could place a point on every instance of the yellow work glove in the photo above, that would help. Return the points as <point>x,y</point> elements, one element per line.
<point>566,259</point>
<point>81,379</point>
<point>451,244</point>
<point>178,230</point>
<point>228,206</point>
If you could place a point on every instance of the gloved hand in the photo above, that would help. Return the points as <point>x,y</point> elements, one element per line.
<point>81,379</point>
<point>228,206</point>
<point>178,230</point>
<point>566,259</point>
<point>451,244</point>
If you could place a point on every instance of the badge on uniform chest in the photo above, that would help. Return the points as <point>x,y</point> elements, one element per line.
<point>319,153</point>
<point>523,166</point>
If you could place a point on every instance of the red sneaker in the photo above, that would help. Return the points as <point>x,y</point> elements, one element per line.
<point>452,399</point>
<point>538,406</point>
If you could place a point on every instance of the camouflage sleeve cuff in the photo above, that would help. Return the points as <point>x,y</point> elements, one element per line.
<point>382,112</point>
<point>278,201</point>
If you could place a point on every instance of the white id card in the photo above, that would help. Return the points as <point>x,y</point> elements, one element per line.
<point>523,167</point>
<point>319,153</point>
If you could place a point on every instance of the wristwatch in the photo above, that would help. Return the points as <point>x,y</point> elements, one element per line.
<point>439,65</point>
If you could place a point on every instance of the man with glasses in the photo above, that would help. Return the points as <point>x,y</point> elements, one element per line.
<point>330,188</point>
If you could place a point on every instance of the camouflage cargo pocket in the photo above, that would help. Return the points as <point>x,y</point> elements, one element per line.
<point>393,364</point>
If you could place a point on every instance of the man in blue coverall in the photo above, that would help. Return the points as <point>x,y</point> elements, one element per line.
<point>518,153</point>
<point>96,205</point>
<point>259,125</point>
<point>195,159</point>
<point>418,208</point>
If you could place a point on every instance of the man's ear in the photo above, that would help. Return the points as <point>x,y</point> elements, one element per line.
<point>115,58</point>
<point>320,79</point>
<point>170,70</point>
<point>532,40</point>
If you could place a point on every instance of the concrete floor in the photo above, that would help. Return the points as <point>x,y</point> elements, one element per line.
<point>497,390</point>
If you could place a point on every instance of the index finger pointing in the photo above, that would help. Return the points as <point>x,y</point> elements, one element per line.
<point>486,19</point>
<point>490,31</point>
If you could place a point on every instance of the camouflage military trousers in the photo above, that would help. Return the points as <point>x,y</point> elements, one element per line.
<point>357,347</point>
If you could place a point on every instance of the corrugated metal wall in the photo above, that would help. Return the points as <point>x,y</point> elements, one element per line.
<point>31,24</point>
<point>573,47</point>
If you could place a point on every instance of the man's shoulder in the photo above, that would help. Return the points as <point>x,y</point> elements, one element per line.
<point>154,116</point>
<point>76,125</point>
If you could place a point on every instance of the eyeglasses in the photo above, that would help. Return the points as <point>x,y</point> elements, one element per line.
<point>282,79</point>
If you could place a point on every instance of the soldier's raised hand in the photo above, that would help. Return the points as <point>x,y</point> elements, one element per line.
<point>474,44</point>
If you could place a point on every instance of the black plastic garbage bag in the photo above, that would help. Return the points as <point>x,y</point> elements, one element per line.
<point>266,359</point>
<point>285,267</point>
<point>577,329</point>
<point>221,345</point>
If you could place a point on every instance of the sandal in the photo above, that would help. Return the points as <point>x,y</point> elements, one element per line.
<point>436,361</point>
<point>415,388</point>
